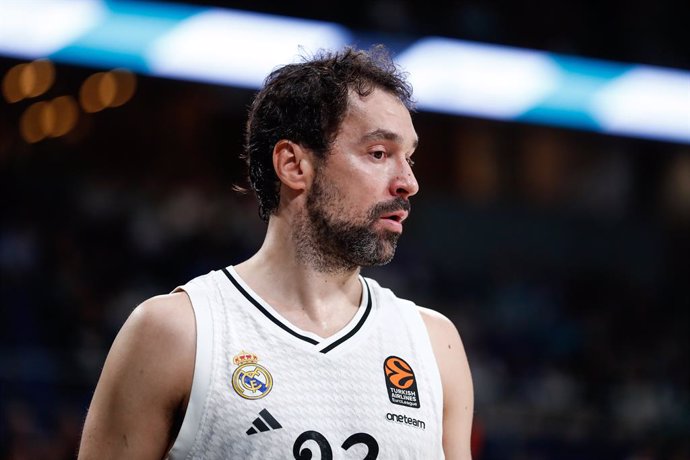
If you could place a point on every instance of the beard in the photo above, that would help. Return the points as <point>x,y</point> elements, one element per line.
<point>331,242</point>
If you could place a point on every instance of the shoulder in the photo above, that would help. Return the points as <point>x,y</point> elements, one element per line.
<point>165,320</point>
<point>164,313</point>
<point>445,341</point>
<point>456,379</point>
<point>448,350</point>
<point>161,321</point>
<point>160,327</point>
<point>145,382</point>
<point>438,325</point>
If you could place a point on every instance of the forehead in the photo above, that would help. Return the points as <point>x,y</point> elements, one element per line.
<point>380,112</point>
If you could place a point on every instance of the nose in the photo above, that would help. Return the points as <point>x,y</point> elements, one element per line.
<point>404,183</point>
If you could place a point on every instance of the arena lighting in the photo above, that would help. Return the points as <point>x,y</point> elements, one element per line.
<point>48,119</point>
<point>646,102</point>
<point>169,40</point>
<point>504,83</point>
<point>28,80</point>
<point>237,48</point>
<point>472,79</point>
<point>106,89</point>
<point>37,28</point>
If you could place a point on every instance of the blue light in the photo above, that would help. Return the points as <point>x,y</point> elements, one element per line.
<point>239,48</point>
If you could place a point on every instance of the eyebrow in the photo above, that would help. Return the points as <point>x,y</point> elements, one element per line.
<point>379,134</point>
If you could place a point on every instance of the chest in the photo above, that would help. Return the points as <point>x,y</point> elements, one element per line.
<point>377,400</point>
<point>272,390</point>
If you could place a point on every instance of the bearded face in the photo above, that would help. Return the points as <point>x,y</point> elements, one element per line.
<point>335,236</point>
<point>354,208</point>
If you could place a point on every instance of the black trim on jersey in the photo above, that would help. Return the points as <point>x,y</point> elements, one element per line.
<point>357,327</point>
<point>283,326</point>
<point>265,312</point>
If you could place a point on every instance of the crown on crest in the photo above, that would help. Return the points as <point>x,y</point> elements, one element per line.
<point>245,358</point>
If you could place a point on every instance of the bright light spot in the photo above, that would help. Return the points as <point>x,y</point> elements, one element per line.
<point>38,28</point>
<point>48,119</point>
<point>36,78</point>
<point>126,84</point>
<point>11,90</point>
<point>31,123</point>
<point>466,78</point>
<point>90,93</point>
<point>646,101</point>
<point>107,88</point>
<point>28,80</point>
<point>66,115</point>
<point>239,48</point>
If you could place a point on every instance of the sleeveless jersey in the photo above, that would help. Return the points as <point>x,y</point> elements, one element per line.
<point>264,389</point>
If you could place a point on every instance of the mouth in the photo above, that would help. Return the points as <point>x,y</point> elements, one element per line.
<point>392,221</point>
<point>397,216</point>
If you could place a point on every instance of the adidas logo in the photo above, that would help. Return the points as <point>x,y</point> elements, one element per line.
<point>261,421</point>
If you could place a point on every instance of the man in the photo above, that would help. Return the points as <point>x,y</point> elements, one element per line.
<point>291,353</point>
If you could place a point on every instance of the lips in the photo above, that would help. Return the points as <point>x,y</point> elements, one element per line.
<point>392,221</point>
<point>391,214</point>
<point>397,216</point>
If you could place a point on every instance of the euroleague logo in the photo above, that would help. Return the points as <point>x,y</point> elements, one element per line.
<point>401,382</point>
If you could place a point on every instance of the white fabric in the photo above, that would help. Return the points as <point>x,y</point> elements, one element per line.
<point>322,398</point>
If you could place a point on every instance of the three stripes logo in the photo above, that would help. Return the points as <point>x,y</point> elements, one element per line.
<point>264,422</point>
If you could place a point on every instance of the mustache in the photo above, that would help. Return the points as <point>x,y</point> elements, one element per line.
<point>396,204</point>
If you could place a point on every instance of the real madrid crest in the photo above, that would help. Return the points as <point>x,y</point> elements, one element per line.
<point>251,380</point>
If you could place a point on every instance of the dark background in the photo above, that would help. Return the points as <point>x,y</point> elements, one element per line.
<point>561,255</point>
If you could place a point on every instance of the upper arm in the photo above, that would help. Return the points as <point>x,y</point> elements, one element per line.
<point>145,380</point>
<point>458,393</point>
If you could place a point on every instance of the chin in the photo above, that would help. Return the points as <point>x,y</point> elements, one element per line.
<point>383,255</point>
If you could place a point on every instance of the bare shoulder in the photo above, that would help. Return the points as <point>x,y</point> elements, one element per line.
<point>169,314</point>
<point>158,329</point>
<point>145,382</point>
<point>445,339</point>
<point>437,323</point>
<point>458,392</point>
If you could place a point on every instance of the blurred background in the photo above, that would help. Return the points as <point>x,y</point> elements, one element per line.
<point>560,251</point>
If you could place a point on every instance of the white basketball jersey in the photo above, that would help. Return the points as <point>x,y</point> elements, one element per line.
<point>264,389</point>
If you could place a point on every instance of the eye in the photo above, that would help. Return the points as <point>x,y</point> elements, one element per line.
<point>410,161</point>
<point>378,154</point>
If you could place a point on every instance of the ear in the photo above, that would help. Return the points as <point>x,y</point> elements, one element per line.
<point>293,164</point>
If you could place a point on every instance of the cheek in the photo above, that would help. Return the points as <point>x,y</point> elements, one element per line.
<point>364,180</point>
<point>356,194</point>
<point>355,184</point>
<point>350,201</point>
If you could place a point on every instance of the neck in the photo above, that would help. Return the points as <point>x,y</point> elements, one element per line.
<point>298,286</point>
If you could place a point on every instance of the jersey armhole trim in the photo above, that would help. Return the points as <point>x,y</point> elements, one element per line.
<point>428,345</point>
<point>202,375</point>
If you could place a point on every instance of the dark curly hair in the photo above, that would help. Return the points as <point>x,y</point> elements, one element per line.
<point>306,103</point>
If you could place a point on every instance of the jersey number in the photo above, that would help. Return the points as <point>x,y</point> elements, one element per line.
<point>325,447</point>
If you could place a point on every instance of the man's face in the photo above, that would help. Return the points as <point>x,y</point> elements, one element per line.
<point>360,195</point>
